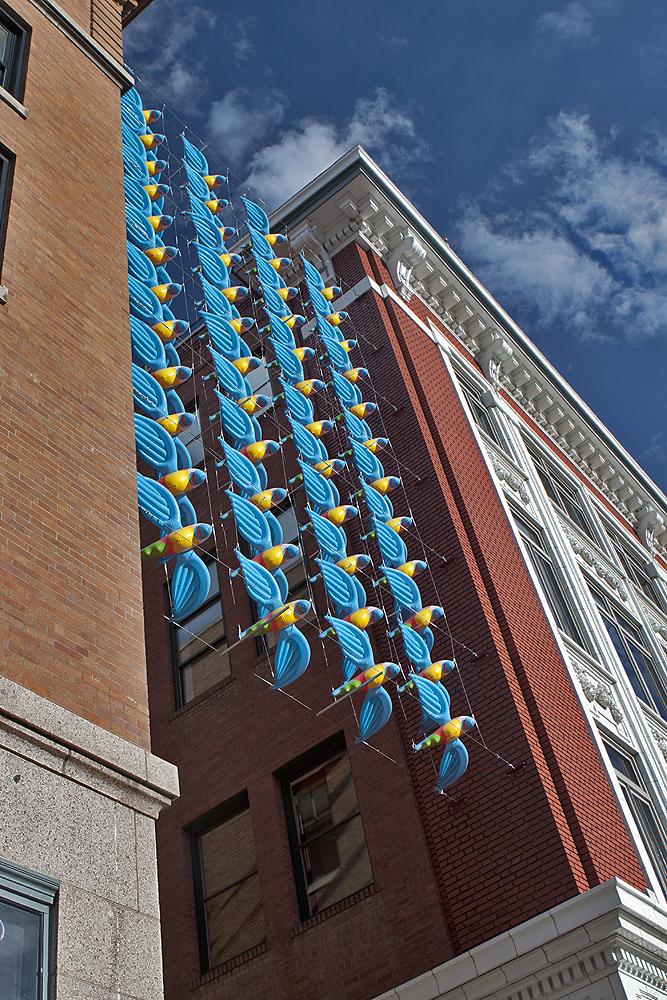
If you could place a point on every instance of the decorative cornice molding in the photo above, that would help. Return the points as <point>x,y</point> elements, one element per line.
<point>565,978</point>
<point>661,741</point>
<point>659,628</point>
<point>594,691</point>
<point>576,948</point>
<point>591,559</point>
<point>85,43</point>
<point>508,476</point>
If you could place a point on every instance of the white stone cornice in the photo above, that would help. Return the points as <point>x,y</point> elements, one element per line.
<point>355,200</point>
<point>606,943</point>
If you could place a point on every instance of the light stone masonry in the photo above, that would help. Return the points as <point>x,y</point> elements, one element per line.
<point>79,806</point>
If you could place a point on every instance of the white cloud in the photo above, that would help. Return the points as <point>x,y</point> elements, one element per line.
<point>243,46</point>
<point>241,119</point>
<point>398,43</point>
<point>158,43</point>
<point>573,25</point>
<point>591,251</point>
<point>378,123</point>
<point>656,450</point>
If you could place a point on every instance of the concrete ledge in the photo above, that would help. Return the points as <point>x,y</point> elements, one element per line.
<point>55,733</point>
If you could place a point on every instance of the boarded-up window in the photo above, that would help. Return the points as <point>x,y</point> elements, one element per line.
<point>231,903</point>
<point>334,861</point>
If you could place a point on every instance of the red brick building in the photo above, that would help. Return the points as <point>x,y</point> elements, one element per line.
<point>297,864</point>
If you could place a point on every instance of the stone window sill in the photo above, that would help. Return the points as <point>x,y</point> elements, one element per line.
<point>13,103</point>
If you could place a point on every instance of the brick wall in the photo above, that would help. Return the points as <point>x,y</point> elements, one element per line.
<point>106,27</point>
<point>449,872</point>
<point>71,595</point>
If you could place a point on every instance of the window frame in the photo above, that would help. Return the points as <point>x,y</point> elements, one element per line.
<point>300,769</point>
<point>7,161</point>
<point>227,810</point>
<point>617,617</point>
<point>178,666</point>
<point>580,633</point>
<point>473,397</point>
<point>636,788</point>
<point>558,485</point>
<point>38,894</point>
<point>631,565</point>
<point>20,31</point>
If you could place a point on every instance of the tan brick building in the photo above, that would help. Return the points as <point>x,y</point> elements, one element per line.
<point>80,787</point>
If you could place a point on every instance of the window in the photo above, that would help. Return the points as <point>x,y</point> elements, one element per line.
<point>191,437</point>
<point>200,667</point>
<point>641,808</point>
<point>327,837</point>
<point>561,494</point>
<point>6,175</point>
<point>635,571</point>
<point>480,414</point>
<point>229,901</point>
<point>26,906</point>
<point>631,650</point>
<point>296,569</point>
<point>261,384</point>
<point>533,539</point>
<point>14,39</point>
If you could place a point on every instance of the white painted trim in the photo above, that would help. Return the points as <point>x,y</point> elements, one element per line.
<point>12,102</point>
<point>85,43</point>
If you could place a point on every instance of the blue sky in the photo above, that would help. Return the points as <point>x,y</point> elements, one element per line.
<point>533,135</point>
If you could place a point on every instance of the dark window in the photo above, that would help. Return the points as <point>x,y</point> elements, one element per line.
<point>561,493</point>
<point>14,40</point>
<point>296,570</point>
<point>480,414</point>
<point>6,175</point>
<point>199,666</point>
<point>642,810</point>
<point>636,660</point>
<point>636,571</point>
<point>192,436</point>
<point>231,916</point>
<point>26,906</point>
<point>261,384</point>
<point>328,845</point>
<point>553,590</point>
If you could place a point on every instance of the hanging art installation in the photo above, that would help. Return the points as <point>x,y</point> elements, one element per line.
<point>262,553</point>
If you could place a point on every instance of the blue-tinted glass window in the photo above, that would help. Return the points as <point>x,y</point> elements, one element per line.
<point>26,905</point>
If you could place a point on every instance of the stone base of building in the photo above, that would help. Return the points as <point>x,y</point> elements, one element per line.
<point>79,806</point>
<point>608,944</point>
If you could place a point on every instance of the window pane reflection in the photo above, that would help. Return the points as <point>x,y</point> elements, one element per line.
<point>331,836</point>
<point>21,933</point>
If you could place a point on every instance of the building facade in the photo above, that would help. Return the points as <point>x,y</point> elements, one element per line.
<point>79,913</point>
<point>299,864</point>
